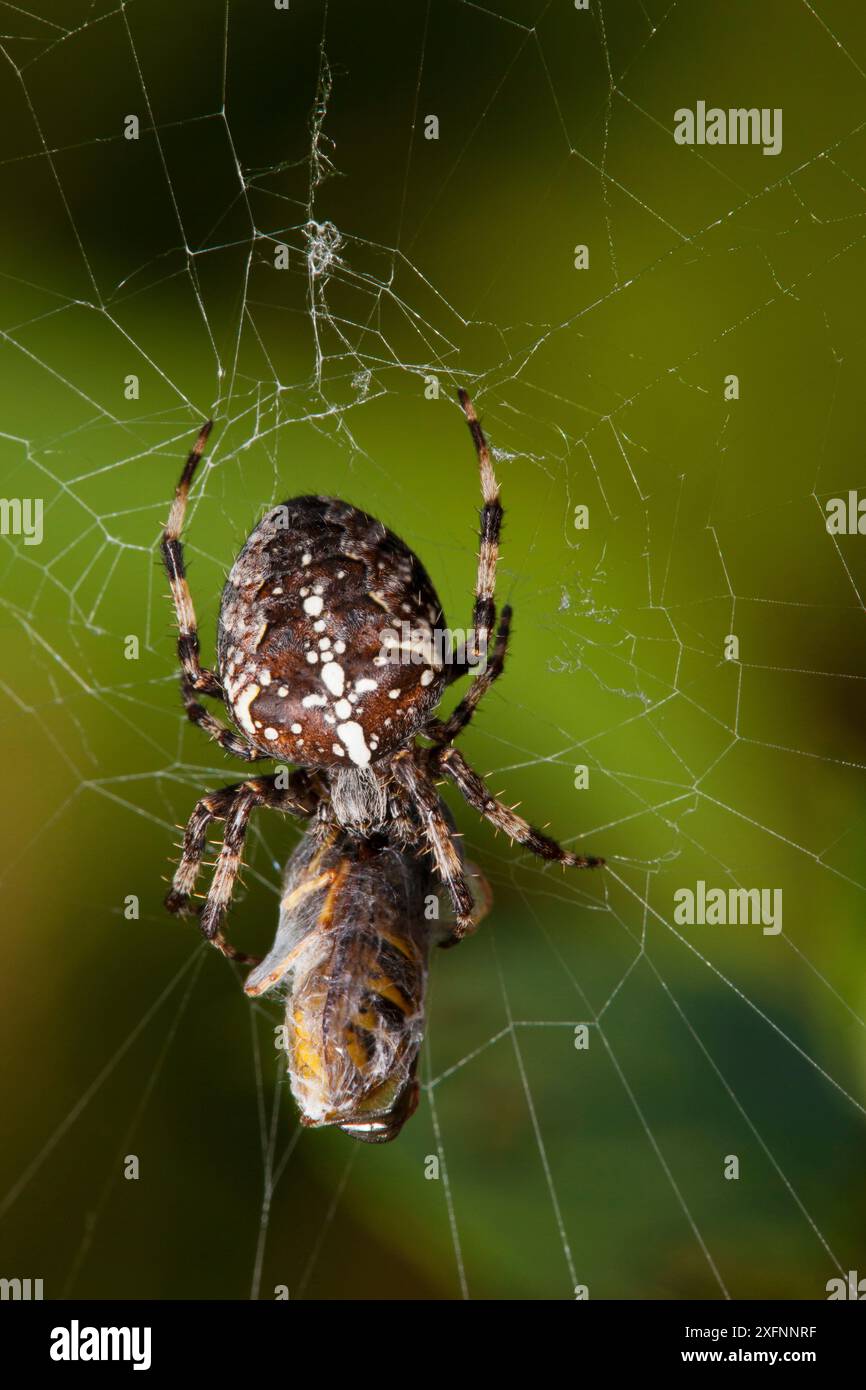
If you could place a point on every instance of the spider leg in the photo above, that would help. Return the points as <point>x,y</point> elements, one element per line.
<point>214,806</point>
<point>233,805</point>
<point>445,731</point>
<point>195,678</point>
<point>440,837</point>
<point>483,904</point>
<point>484,611</point>
<point>476,792</point>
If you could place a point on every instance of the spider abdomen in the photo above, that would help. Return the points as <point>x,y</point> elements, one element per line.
<point>329,636</point>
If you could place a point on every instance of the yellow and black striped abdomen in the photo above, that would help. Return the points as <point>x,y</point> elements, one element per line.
<point>354,936</point>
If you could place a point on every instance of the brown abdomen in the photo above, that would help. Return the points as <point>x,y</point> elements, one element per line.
<point>314,657</point>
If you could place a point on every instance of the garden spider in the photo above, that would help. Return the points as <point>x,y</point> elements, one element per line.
<point>328,658</point>
<point>305,674</point>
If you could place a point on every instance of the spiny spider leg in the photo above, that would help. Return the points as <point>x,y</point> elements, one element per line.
<point>484,611</point>
<point>445,731</point>
<point>476,792</point>
<point>195,678</point>
<point>483,904</point>
<point>198,678</point>
<point>213,806</point>
<point>233,805</point>
<point>440,837</point>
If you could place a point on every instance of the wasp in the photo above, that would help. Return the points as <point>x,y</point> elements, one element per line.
<point>357,920</point>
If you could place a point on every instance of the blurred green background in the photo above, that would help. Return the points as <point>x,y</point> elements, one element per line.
<point>450,258</point>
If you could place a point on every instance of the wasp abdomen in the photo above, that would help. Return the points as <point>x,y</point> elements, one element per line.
<point>354,940</point>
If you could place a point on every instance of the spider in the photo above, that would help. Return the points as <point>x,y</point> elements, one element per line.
<point>327,659</point>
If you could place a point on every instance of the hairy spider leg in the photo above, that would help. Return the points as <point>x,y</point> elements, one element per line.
<point>195,679</point>
<point>233,805</point>
<point>445,731</point>
<point>475,790</point>
<point>490,527</point>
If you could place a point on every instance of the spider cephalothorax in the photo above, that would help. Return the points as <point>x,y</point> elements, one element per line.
<point>330,656</point>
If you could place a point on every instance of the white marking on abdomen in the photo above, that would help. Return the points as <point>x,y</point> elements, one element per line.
<point>241,708</point>
<point>352,735</point>
<point>332,675</point>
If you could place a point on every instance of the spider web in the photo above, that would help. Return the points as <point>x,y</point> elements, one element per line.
<point>533,1166</point>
